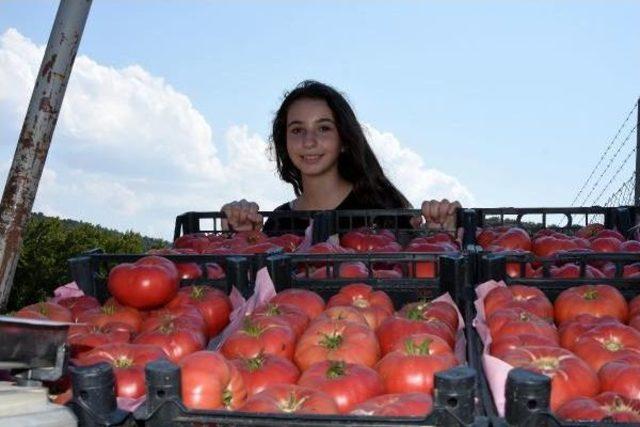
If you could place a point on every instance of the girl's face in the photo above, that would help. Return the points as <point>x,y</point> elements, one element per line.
<point>313,143</point>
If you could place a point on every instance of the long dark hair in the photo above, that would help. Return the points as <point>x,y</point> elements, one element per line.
<point>356,164</point>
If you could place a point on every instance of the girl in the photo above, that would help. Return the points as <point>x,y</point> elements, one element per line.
<point>321,150</point>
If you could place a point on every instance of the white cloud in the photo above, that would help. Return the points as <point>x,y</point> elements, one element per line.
<point>130,152</point>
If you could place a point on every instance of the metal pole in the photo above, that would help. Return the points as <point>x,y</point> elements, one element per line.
<point>35,137</point>
<point>636,199</point>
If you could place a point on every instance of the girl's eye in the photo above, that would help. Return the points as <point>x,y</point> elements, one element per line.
<point>324,129</point>
<point>296,131</point>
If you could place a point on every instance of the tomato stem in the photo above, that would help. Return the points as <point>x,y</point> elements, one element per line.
<point>337,369</point>
<point>331,341</point>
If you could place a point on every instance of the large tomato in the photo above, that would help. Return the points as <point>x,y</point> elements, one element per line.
<point>570,376</point>
<point>499,347</point>
<point>518,296</point>
<point>589,230</point>
<point>605,244</point>
<point>214,271</point>
<point>425,310</point>
<point>174,336</point>
<point>597,300</point>
<point>181,317</point>
<point>148,283</point>
<point>291,399</point>
<point>621,376</point>
<point>348,383</point>
<point>209,381</point>
<point>112,312</point>
<point>512,239</point>
<point>293,316</point>
<point>340,312</point>
<point>375,305</point>
<point>213,304</point>
<point>46,310</point>
<point>607,342</point>
<point>189,270</point>
<point>309,301</point>
<point>612,406</point>
<point>367,240</point>
<point>547,246</point>
<point>84,337</point>
<point>264,370</point>
<point>288,242</point>
<point>78,305</point>
<point>516,321</point>
<point>265,335</point>
<point>397,327</point>
<point>396,405</point>
<point>411,366</point>
<point>128,361</point>
<point>338,340</point>
<point>573,329</point>
<point>427,269</point>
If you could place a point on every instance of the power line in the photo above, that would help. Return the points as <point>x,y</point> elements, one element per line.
<point>602,157</point>
<point>595,202</point>
<point>595,185</point>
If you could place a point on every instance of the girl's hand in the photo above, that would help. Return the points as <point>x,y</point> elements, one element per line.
<point>241,216</point>
<point>440,215</point>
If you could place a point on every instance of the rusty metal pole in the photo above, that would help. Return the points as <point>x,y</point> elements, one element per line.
<point>35,137</point>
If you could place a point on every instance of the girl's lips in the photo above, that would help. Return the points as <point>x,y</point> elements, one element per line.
<point>311,159</point>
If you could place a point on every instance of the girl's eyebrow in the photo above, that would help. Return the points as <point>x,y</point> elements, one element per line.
<point>299,122</point>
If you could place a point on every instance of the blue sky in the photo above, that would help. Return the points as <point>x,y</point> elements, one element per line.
<point>515,101</point>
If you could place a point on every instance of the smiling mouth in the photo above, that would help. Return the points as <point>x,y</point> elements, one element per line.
<point>311,159</point>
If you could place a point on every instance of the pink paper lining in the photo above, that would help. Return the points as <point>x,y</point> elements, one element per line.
<point>308,238</point>
<point>460,349</point>
<point>495,369</point>
<point>66,291</point>
<point>264,290</point>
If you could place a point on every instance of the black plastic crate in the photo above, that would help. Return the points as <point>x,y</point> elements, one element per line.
<point>563,219</point>
<point>528,393</point>
<point>450,274</point>
<point>90,270</point>
<point>294,222</point>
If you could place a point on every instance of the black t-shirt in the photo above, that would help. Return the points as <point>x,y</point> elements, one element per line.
<point>350,202</point>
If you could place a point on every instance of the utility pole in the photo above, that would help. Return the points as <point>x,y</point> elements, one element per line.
<point>35,136</point>
<point>636,196</point>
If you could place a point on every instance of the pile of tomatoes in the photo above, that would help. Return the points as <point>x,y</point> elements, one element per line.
<point>148,317</point>
<point>352,355</point>
<point>587,342</point>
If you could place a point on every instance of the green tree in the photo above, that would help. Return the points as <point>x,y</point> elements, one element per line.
<point>47,245</point>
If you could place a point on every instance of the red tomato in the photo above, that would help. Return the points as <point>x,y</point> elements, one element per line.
<point>589,230</point>
<point>213,304</point>
<point>174,334</point>
<point>634,306</point>
<point>338,340</point>
<point>352,270</point>
<point>630,246</point>
<point>570,376</point>
<point>425,310</point>
<point>412,364</point>
<point>84,337</point>
<point>397,327</point>
<point>189,270</point>
<point>262,335</point>
<point>366,240</point>
<point>571,330</point>
<point>291,399</point>
<point>111,312</point>
<point>621,376</point>
<point>340,312</point>
<point>79,304</point>
<point>516,321</point>
<point>265,370</point>
<point>128,361</point>
<point>375,305</point>
<point>598,300</point>
<point>518,296</point>
<point>209,381</point>
<point>349,384</point>
<point>214,271</point>
<point>607,342</point>
<point>499,347</point>
<point>547,246</point>
<point>605,244</point>
<point>570,271</point>
<point>148,283</point>
<point>608,233</point>
<point>192,241</point>
<point>396,405</point>
<point>309,301</point>
<point>288,242</point>
<point>251,237</point>
<point>261,248</point>
<point>184,317</point>
<point>293,316</point>
<point>387,274</point>
<point>512,239</point>
<point>612,406</point>
<point>46,310</point>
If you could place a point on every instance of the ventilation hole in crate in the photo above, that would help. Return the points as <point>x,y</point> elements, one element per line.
<point>532,404</point>
<point>452,402</point>
<point>84,395</point>
<point>160,393</point>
